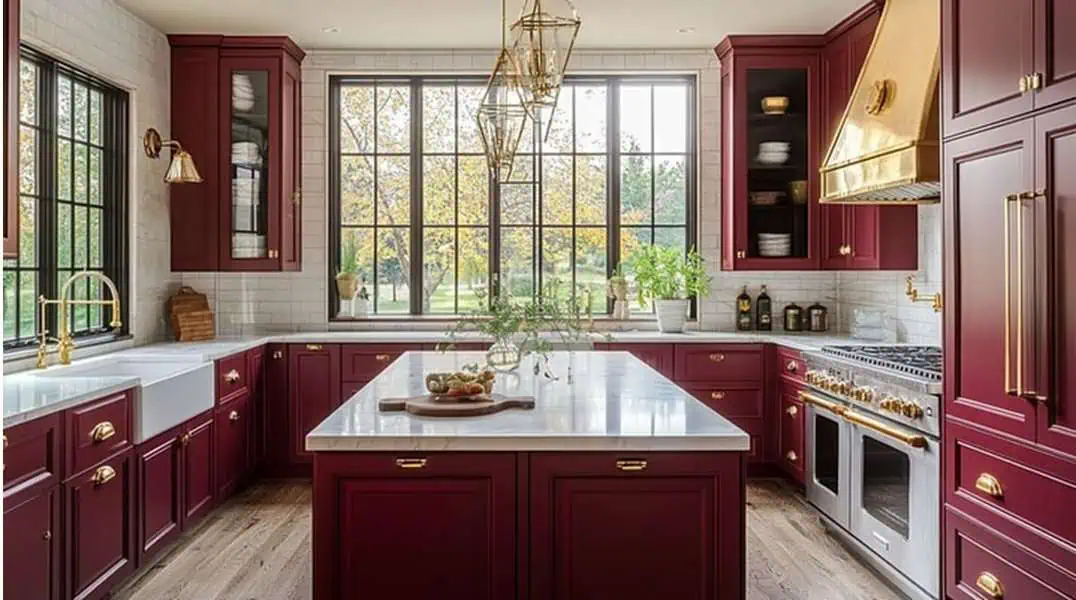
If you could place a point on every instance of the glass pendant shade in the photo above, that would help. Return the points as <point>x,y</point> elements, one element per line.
<point>542,45</point>
<point>501,117</point>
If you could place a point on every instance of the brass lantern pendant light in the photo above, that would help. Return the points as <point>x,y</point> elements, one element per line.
<point>501,116</point>
<point>542,45</point>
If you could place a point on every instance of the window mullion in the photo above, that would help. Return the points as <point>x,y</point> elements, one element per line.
<point>416,275</point>
<point>48,193</point>
<point>612,181</point>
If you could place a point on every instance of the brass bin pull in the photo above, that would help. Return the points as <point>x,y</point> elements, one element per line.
<point>791,456</point>
<point>381,357</point>
<point>102,431</point>
<point>715,357</point>
<point>278,354</point>
<point>989,485</point>
<point>913,440</point>
<point>990,585</point>
<point>231,376</point>
<point>832,407</point>
<point>791,367</point>
<point>792,410</point>
<point>631,464</point>
<point>233,416</point>
<point>411,463</point>
<point>313,347</point>
<point>717,395</point>
<point>103,475</point>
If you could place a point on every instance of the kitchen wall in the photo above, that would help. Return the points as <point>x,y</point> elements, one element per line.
<point>106,40</point>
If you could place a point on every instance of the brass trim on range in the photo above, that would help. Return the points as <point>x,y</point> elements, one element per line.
<point>989,485</point>
<point>631,464</point>
<point>411,463</point>
<point>990,585</point>
<point>911,439</point>
<point>820,402</point>
<point>102,431</point>
<point>103,475</point>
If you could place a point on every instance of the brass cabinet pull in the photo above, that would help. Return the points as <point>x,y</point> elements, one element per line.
<point>845,250</point>
<point>381,357</point>
<point>913,440</point>
<point>631,464</point>
<point>741,254</point>
<point>231,376</point>
<point>103,475</point>
<point>313,347</point>
<point>792,367</point>
<point>791,456</point>
<point>233,416</point>
<point>296,196</point>
<point>1024,84</point>
<point>411,463</point>
<point>46,535</point>
<point>792,410</point>
<point>990,585</point>
<point>989,485</point>
<point>1007,300</point>
<point>185,438</point>
<point>102,431</point>
<point>278,354</point>
<point>717,395</point>
<point>715,357</point>
<point>1036,81</point>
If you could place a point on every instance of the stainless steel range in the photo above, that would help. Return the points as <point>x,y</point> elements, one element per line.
<point>873,458</point>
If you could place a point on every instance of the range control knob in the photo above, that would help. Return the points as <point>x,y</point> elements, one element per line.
<point>912,409</point>
<point>890,403</point>
<point>863,394</point>
<point>811,376</point>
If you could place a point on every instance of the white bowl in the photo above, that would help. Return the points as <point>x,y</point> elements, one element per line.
<point>774,147</point>
<point>772,158</point>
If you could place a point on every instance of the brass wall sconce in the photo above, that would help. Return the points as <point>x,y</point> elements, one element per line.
<point>181,169</point>
<point>913,294</point>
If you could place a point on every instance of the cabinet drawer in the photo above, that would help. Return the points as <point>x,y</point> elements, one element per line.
<point>982,564</point>
<point>791,455</point>
<point>724,363</point>
<point>231,375</point>
<point>32,454</point>
<point>364,362</point>
<point>1009,486</point>
<point>97,430</point>
<point>790,364</point>
<point>730,403</point>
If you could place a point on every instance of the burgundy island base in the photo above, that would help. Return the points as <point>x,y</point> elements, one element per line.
<point>618,484</point>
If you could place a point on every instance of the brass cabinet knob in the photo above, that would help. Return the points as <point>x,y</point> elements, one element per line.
<point>741,254</point>
<point>792,410</point>
<point>792,367</point>
<point>1035,81</point>
<point>278,354</point>
<point>185,438</point>
<point>411,463</point>
<point>717,395</point>
<point>791,456</point>
<point>989,485</point>
<point>46,535</point>
<point>717,357</point>
<point>233,416</point>
<point>102,431</point>
<point>231,376</point>
<point>382,357</point>
<point>1024,84</point>
<point>103,475</point>
<point>844,250</point>
<point>631,464</point>
<point>990,585</point>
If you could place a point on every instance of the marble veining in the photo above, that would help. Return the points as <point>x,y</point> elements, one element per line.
<point>614,402</point>
<point>27,398</point>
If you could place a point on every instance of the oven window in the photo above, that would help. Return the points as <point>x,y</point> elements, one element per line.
<point>827,452</point>
<point>886,481</point>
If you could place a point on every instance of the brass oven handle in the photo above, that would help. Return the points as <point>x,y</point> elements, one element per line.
<point>411,463</point>
<point>631,464</point>
<point>313,347</point>
<point>990,585</point>
<point>717,395</point>
<point>381,357</point>
<point>103,475</point>
<point>911,439</point>
<point>717,357</point>
<point>102,431</point>
<point>820,402</point>
<point>231,376</point>
<point>989,485</point>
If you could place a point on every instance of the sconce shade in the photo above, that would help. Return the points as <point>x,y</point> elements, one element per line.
<point>181,169</point>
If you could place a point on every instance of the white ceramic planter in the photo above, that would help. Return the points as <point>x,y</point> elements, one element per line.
<point>672,314</point>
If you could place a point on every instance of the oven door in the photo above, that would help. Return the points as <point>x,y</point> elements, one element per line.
<point>894,496</point>
<point>828,458</point>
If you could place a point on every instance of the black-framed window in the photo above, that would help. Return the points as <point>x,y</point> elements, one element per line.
<point>72,197</point>
<point>408,179</point>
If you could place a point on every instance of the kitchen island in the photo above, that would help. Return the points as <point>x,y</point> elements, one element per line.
<point>618,484</point>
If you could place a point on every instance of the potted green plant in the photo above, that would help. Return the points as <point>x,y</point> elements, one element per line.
<point>347,277</point>
<point>670,279</point>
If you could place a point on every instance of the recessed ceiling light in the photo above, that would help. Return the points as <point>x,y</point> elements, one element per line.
<point>686,30</point>
<point>330,30</point>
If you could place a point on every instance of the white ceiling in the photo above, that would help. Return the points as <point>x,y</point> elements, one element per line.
<point>443,24</point>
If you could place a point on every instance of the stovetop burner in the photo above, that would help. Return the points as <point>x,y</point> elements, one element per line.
<point>920,361</point>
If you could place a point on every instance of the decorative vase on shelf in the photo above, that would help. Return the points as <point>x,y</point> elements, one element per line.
<point>346,284</point>
<point>361,306</point>
<point>672,315</point>
<point>503,356</point>
<point>618,290</point>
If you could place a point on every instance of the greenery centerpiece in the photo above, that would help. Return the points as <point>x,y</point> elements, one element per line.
<point>670,279</point>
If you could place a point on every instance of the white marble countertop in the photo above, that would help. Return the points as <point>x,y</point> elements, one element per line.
<point>27,398</point>
<point>615,402</point>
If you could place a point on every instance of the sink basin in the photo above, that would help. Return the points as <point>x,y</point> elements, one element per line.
<point>172,390</point>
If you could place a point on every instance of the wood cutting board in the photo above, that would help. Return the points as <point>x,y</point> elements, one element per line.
<point>429,405</point>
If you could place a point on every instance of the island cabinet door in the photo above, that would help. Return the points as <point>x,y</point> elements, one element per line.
<point>636,527</point>
<point>414,527</point>
<point>160,487</point>
<point>198,458</point>
<point>314,380</point>
<point>31,545</point>
<point>232,425</point>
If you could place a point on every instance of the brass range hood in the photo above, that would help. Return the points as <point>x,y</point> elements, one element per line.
<point>886,148</point>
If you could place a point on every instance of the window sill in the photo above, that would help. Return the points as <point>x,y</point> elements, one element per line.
<point>84,348</point>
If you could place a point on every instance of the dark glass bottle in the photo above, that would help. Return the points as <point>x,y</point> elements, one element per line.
<point>744,322</point>
<point>764,310</point>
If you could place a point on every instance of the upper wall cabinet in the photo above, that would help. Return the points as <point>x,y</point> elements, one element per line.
<point>11,128</point>
<point>236,108</point>
<point>1004,58</point>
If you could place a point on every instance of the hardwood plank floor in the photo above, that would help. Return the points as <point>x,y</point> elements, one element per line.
<point>257,546</point>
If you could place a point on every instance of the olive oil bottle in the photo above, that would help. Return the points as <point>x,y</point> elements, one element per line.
<point>764,310</point>
<point>744,322</point>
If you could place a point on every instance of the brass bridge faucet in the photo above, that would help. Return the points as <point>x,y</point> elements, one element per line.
<point>64,343</point>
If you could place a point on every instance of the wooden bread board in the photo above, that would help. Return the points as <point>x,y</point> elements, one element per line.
<point>190,316</point>
<point>429,405</point>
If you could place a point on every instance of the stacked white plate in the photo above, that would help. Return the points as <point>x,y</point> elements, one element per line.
<point>774,244</point>
<point>246,153</point>
<point>242,93</point>
<point>248,245</point>
<point>245,190</point>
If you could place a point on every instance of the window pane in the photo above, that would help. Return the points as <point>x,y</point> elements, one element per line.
<point>635,118</point>
<point>557,190</point>
<point>559,137</point>
<point>357,119</point>
<point>438,118</point>
<point>82,237</point>
<point>96,114</point>
<point>356,190</point>
<point>82,173</point>
<point>590,113</point>
<point>635,173</point>
<point>63,236</point>
<point>470,96</point>
<point>671,237</point>
<point>393,118</point>
<point>96,259</point>
<point>63,105</point>
<point>27,303</point>
<point>473,282</point>
<point>517,204</point>
<point>27,231</point>
<point>631,239</point>
<point>27,160</point>
<point>517,262</point>
<point>63,169</point>
<point>474,190</point>
<point>95,176</point>
<point>82,113</point>
<point>393,190</point>
<point>670,190</point>
<point>27,92</point>
<point>522,168</point>
<point>393,266</point>
<point>557,261</point>
<point>10,291</point>
<point>358,244</point>
<point>590,193</point>
<point>526,140</point>
<point>439,190</point>
<point>670,118</point>
<point>438,270</point>
<point>590,261</point>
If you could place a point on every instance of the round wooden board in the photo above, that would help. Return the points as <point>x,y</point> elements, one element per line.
<point>446,406</point>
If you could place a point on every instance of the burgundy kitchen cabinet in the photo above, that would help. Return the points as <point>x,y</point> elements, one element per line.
<point>100,527</point>
<point>241,122</point>
<point>198,464</point>
<point>256,371</point>
<point>593,534</point>
<point>11,128</point>
<point>1055,51</point>
<point>314,382</point>
<point>277,411</point>
<point>791,431</point>
<point>455,514</point>
<point>658,356</point>
<point>160,491</point>
<point>232,425</point>
<point>32,543</point>
<point>363,362</point>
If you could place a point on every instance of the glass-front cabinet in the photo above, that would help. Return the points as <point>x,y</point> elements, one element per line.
<point>248,162</point>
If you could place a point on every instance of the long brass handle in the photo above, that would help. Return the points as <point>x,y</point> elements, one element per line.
<point>411,463</point>
<point>631,464</point>
<point>231,376</point>
<point>102,431</point>
<point>103,475</point>
<point>717,357</point>
<point>990,585</point>
<point>911,439</point>
<point>1007,275</point>
<point>313,347</point>
<point>717,395</point>
<point>381,357</point>
<point>820,402</point>
<point>233,416</point>
<point>989,485</point>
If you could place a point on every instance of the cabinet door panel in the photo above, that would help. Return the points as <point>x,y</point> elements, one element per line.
<point>100,527</point>
<point>987,47</point>
<point>1055,327</point>
<point>32,542</point>
<point>791,455</point>
<point>979,172</point>
<point>232,428</point>
<point>256,369</point>
<point>291,172</point>
<point>1055,50</point>
<point>198,463</point>
<point>834,236</point>
<point>160,502</point>
<point>277,409</point>
<point>314,377</point>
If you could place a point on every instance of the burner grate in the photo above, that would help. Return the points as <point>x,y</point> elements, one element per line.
<point>920,361</point>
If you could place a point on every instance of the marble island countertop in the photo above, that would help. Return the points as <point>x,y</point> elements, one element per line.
<point>614,402</point>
